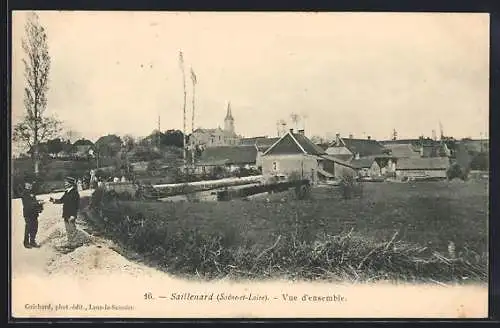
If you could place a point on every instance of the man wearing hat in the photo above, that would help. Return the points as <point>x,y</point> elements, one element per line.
<point>31,210</point>
<point>71,203</point>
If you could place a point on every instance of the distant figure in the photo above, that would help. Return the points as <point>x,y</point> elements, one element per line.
<point>71,204</point>
<point>93,179</point>
<point>79,185</point>
<point>31,210</point>
<point>123,179</point>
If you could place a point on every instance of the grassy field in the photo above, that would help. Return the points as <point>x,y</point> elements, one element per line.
<point>393,219</point>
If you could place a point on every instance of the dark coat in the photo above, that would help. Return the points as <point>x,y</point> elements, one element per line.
<point>31,207</point>
<point>71,203</point>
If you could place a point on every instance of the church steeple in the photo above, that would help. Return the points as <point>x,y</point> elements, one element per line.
<point>229,120</point>
<point>229,115</point>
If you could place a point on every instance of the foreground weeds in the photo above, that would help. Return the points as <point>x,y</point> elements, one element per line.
<point>183,241</point>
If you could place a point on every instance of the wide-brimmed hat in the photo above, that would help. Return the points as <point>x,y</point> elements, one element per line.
<point>70,180</point>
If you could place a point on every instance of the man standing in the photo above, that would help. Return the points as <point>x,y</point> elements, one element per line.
<point>71,204</point>
<point>31,209</point>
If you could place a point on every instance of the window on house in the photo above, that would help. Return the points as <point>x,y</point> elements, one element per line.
<point>219,138</point>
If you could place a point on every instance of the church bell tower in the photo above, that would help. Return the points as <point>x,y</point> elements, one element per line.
<point>229,120</point>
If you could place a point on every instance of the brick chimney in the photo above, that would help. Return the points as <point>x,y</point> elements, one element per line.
<point>291,130</point>
<point>301,132</point>
<point>337,138</point>
<point>369,137</point>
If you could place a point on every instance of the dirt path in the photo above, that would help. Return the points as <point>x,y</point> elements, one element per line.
<point>94,257</point>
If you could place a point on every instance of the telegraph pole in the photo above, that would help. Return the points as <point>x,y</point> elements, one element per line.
<point>181,63</point>
<point>194,80</point>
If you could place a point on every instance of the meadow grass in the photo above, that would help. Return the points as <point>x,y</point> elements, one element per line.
<point>394,231</point>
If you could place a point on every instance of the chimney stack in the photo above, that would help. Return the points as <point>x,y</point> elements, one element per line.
<point>301,132</point>
<point>351,136</point>
<point>369,138</point>
<point>291,130</point>
<point>337,138</point>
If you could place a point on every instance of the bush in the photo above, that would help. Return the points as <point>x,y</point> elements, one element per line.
<point>456,171</point>
<point>350,187</point>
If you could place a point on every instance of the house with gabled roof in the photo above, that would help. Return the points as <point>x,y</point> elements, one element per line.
<point>229,158</point>
<point>350,148</point>
<point>296,155</point>
<point>433,167</point>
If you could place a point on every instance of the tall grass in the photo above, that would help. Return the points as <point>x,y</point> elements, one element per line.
<point>397,232</point>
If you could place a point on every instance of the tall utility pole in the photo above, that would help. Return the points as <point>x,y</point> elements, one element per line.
<point>194,80</point>
<point>181,63</point>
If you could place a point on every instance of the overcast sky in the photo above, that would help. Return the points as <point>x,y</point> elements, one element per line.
<point>359,73</point>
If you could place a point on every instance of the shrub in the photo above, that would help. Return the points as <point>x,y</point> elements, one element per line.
<point>456,171</point>
<point>350,187</point>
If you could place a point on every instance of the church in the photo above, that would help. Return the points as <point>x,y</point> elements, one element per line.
<point>206,138</point>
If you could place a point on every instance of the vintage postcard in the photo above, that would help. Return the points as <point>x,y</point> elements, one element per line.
<point>249,165</point>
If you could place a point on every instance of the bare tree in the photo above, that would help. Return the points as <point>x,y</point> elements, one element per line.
<point>36,126</point>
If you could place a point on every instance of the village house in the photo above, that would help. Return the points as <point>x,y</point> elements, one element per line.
<point>348,149</point>
<point>229,158</point>
<point>367,167</point>
<point>428,167</point>
<point>294,155</point>
<point>206,138</point>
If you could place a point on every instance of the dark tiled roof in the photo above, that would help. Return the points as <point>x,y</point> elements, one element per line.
<point>341,157</point>
<point>285,146</point>
<point>261,142</point>
<point>337,160</point>
<point>310,147</point>
<point>429,163</point>
<point>295,143</point>
<point>362,163</point>
<point>323,146</point>
<point>400,142</point>
<point>365,147</point>
<point>228,155</point>
<point>403,150</point>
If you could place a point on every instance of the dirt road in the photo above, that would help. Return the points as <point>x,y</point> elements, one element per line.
<point>94,256</point>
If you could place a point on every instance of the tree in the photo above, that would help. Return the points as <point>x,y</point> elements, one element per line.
<point>172,138</point>
<point>108,146</point>
<point>128,143</point>
<point>83,142</point>
<point>480,162</point>
<point>36,126</point>
<point>54,146</point>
